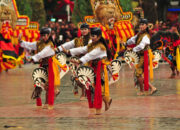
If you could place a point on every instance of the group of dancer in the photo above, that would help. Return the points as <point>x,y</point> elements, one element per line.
<point>95,52</point>
<point>92,50</point>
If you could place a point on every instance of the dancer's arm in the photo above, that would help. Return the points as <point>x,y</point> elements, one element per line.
<point>46,52</point>
<point>94,54</point>
<point>28,45</point>
<point>145,41</point>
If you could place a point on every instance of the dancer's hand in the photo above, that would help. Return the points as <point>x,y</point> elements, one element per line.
<point>129,49</point>
<point>76,62</point>
<point>56,50</point>
<point>65,51</point>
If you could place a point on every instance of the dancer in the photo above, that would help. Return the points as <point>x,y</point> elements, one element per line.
<point>142,42</point>
<point>78,42</point>
<point>45,53</point>
<point>96,55</point>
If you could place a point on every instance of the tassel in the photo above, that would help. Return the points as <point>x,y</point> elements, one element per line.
<point>51,83</point>
<point>150,64</point>
<point>106,81</point>
<point>90,102</point>
<point>63,67</point>
<point>178,59</point>
<point>146,75</point>
<point>98,93</point>
<point>56,74</point>
<point>38,102</point>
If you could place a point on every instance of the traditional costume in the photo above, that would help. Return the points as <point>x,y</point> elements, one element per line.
<point>142,42</point>
<point>45,56</point>
<point>77,42</point>
<point>96,57</point>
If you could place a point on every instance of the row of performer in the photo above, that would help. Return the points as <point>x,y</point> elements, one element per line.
<point>94,65</point>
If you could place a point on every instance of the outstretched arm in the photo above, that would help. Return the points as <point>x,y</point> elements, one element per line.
<point>78,51</point>
<point>145,41</point>
<point>46,52</point>
<point>67,46</point>
<point>132,40</point>
<point>28,45</point>
<point>94,54</point>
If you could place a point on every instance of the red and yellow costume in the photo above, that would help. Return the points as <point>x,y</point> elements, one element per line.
<point>95,56</point>
<point>9,57</point>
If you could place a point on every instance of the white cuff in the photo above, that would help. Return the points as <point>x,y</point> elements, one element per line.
<point>35,58</point>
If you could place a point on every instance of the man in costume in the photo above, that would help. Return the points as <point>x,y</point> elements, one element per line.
<point>96,55</point>
<point>142,42</point>
<point>84,40</point>
<point>44,55</point>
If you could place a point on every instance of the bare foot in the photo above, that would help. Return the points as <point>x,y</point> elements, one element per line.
<point>172,76</point>
<point>177,73</point>
<point>45,106</point>
<point>98,112</point>
<point>91,111</point>
<point>107,105</point>
<point>82,98</point>
<point>140,93</point>
<point>153,91</point>
<point>57,92</point>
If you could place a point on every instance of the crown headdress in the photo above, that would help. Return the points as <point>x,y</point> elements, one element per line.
<point>116,4</point>
<point>96,3</point>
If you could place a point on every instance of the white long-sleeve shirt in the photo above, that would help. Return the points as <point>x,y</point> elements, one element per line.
<point>145,41</point>
<point>46,52</point>
<point>69,45</point>
<point>29,45</point>
<point>96,53</point>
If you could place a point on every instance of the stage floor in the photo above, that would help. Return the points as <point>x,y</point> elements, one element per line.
<point>128,111</point>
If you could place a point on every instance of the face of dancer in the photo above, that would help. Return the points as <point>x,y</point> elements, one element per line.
<point>95,38</point>
<point>84,31</point>
<point>45,37</point>
<point>143,26</point>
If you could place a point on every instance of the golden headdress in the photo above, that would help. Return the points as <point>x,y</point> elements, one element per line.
<point>115,4</point>
<point>7,14</point>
